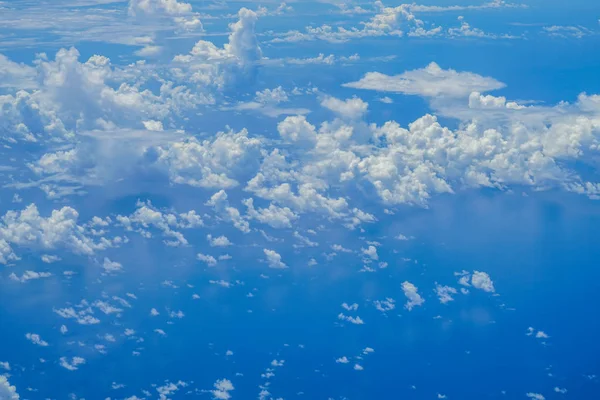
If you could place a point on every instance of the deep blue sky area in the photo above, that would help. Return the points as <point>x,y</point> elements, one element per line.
<point>336,200</point>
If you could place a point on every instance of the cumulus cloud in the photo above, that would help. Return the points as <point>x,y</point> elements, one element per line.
<point>180,12</point>
<point>76,96</point>
<point>274,216</point>
<point>7,391</point>
<point>36,339</point>
<point>28,229</point>
<point>208,259</point>
<point>274,259</point>
<point>445,293</point>
<point>353,108</point>
<point>72,365</point>
<point>16,75</point>
<point>481,280</point>
<point>221,390</point>
<point>209,65</point>
<point>388,21</point>
<point>147,216</point>
<point>431,81</point>
<point>220,241</point>
<point>29,275</point>
<point>231,214</point>
<point>414,298</point>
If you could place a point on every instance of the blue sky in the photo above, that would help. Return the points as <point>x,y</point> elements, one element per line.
<point>313,199</point>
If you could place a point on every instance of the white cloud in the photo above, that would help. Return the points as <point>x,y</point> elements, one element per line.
<point>371,252</point>
<point>231,214</point>
<point>147,216</point>
<point>274,216</point>
<point>535,396</point>
<point>214,163</point>
<point>28,229</point>
<point>481,280</point>
<point>431,81</point>
<point>209,65</point>
<point>353,108</point>
<point>29,275</point>
<point>220,241</point>
<point>49,259</point>
<point>272,96</point>
<point>16,75</point>
<point>36,339</point>
<point>353,320</point>
<point>7,391</point>
<point>565,32</point>
<point>297,129</point>
<point>180,12</point>
<point>111,266</point>
<point>385,305</point>
<point>414,298</point>
<point>73,365</point>
<point>222,389</point>
<point>274,259</point>
<point>388,21</point>
<point>208,259</point>
<point>445,293</point>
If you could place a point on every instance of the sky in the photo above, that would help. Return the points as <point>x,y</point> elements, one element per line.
<point>317,199</point>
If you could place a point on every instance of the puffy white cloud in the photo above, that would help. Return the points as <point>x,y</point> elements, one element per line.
<point>481,280</point>
<point>76,96</point>
<point>29,275</point>
<point>274,259</point>
<point>535,396</point>
<point>208,65</point>
<point>445,293</point>
<point>296,129</point>
<point>388,21</point>
<point>7,391</point>
<point>222,387</point>
<point>274,216</point>
<point>214,163</point>
<point>16,75</point>
<point>564,32</point>
<point>431,81</point>
<point>49,259</point>
<point>206,258</point>
<point>27,228</point>
<point>370,252</point>
<point>220,241</point>
<point>147,216</point>
<point>414,298</point>
<point>83,317</point>
<point>385,305</point>
<point>72,365</point>
<point>493,4</point>
<point>180,12</point>
<point>353,108</point>
<point>111,266</point>
<point>272,96</point>
<point>36,339</point>
<point>353,320</point>
<point>231,214</point>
